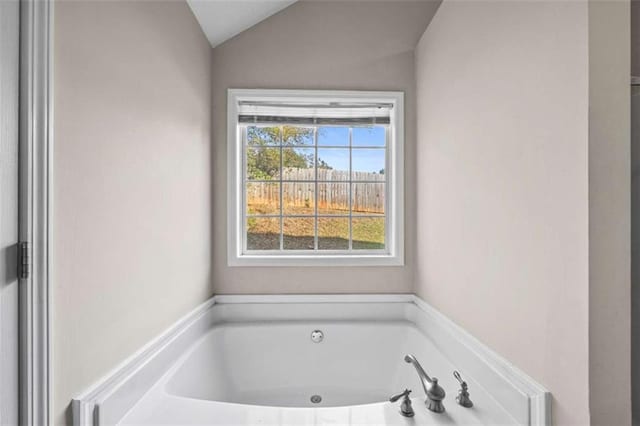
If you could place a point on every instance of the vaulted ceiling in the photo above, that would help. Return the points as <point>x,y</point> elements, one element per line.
<point>222,19</point>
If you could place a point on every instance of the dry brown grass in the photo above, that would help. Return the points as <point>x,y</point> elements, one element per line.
<point>333,232</point>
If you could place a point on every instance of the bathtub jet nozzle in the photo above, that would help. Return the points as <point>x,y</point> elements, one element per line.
<point>435,393</point>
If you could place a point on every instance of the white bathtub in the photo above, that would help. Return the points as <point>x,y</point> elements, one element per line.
<point>277,364</point>
<point>256,364</point>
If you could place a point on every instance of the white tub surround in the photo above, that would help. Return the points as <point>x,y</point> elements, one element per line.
<point>248,360</point>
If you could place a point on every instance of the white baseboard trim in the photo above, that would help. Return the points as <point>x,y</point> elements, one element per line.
<point>108,401</point>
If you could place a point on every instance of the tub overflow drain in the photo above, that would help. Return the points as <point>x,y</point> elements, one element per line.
<point>316,399</point>
<point>317,336</point>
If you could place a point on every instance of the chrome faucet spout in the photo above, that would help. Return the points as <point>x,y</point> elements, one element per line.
<point>424,377</point>
<point>435,393</point>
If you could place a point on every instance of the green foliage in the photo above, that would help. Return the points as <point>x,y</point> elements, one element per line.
<point>263,163</point>
<point>323,164</point>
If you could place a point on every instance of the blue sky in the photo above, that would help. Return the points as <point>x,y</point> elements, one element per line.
<point>370,159</point>
<point>362,136</point>
<point>364,160</point>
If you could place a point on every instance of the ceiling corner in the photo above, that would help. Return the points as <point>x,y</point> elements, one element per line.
<point>223,19</point>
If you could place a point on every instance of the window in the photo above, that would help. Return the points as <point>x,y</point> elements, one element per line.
<point>315,178</point>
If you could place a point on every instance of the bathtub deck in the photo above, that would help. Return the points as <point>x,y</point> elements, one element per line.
<point>227,368</point>
<point>158,408</point>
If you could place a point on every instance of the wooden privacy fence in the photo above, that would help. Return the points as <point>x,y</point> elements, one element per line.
<point>367,196</point>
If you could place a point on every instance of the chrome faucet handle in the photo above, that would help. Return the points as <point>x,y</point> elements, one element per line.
<point>405,393</point>
<point>405,408</point>
<point>463,394</point>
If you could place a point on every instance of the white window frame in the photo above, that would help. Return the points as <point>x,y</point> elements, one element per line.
<point>393,255</point>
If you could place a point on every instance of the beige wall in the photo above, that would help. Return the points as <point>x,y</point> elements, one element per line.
<point>635,37</point>
<point>635,188</point>
<point>635,252</point>
<point>609,213</point>
<point>503,240</point>
<point>320,45</point>
<point>132,190</point>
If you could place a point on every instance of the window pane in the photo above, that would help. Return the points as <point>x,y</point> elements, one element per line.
<point>297,194</point>
<point>333,164</point>
<point>263,163</point>
<point>299,198</point>
<point>369,136</point>
<point>368,164</point>
<point>333,136</point>
<point>263,233</point>
<point>298,164</point>
<point>263,198</point>
<point>333,233</point>
<point>368,233</point>
<point>263,136</point>
<point>299,233</point>
<point>293,135</point>
<point>368,198</point>
<point>333,198</point>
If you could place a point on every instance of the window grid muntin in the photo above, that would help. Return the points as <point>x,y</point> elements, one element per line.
<point>307,181</point>
<point>319,146</point>
<point>351,190</point>
<point>326,216</point>
<point>281,193</point>
<point>350,251</point>
<point>315,193</point>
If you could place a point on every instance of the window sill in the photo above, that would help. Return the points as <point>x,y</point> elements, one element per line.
<point>316,260</point>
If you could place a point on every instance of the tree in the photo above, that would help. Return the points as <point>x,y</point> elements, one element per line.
<point>263,163</point>
<point>323,164</point>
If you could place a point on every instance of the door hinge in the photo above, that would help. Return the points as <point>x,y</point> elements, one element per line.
<point>24,260</point>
